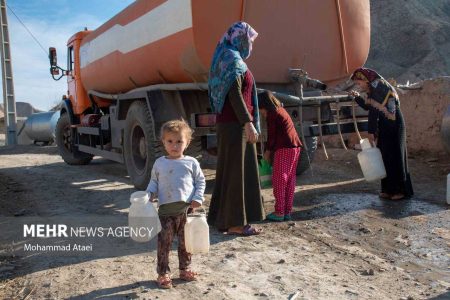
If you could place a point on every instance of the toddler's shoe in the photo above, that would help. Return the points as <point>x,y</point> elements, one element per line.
<point>274,217</point>
<point>164,281</point>
<point>288,217</point>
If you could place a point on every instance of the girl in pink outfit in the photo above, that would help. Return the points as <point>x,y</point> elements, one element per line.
<point>284,146</point>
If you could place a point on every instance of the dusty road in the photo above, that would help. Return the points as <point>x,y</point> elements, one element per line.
<point>344,242</point>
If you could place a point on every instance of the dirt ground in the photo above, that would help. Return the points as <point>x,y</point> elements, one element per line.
<point>344,242</point>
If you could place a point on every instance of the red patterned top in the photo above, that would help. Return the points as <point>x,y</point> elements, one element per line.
<point>281,132</point>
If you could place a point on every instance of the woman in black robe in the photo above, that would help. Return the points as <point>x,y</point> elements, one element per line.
<point>387,129</point>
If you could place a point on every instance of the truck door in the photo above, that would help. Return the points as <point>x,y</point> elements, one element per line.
<point>71,82</point>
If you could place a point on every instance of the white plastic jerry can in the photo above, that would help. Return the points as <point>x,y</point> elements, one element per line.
<point>196,233</point>
<point>143,219</point>
<point>371,162</point>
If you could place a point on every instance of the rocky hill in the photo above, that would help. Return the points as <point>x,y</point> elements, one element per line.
<point>23,109</point>
<point>410,39</point>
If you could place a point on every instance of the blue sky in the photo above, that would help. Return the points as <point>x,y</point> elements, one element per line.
<point>52,22</point>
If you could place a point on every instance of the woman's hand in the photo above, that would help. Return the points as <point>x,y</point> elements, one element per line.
<point>353,93</point>
<point>251,133</point>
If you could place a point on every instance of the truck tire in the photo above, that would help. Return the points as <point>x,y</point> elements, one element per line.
<point>68,152</point>
<point>306,157</point>
<point>141,147</point>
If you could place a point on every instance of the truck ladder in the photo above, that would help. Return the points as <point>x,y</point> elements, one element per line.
<point>9,103</point>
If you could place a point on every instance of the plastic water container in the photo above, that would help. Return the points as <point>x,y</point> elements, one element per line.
<point>448,188</point>
<point>371,162</point>
<point>196,233</point>
<point>143,219</point>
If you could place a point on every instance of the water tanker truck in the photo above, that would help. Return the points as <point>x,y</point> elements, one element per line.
<point>149,64</point>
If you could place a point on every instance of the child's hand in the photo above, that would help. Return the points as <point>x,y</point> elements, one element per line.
<point>152,198</point>
<point>195,204</point>
<point>268,156</point>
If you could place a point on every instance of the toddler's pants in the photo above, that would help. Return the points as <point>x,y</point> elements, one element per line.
<point>284,178</point>
<point>171,226</point>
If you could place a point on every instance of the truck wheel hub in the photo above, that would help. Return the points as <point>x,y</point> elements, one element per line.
<point>139,148</point>
<point>142,148</point>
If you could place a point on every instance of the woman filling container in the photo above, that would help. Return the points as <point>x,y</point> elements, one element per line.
<point>387,128</point>
<point>236,200</point>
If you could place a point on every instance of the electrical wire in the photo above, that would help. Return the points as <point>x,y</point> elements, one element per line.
<point>40,45</point>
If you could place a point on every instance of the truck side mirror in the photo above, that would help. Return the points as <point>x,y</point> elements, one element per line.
<point>52,57</point>
<point>54,70</point>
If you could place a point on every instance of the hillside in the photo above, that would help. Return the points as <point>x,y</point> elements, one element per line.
<point>410,39</point>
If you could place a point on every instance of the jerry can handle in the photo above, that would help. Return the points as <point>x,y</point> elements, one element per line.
<point>194,209</point>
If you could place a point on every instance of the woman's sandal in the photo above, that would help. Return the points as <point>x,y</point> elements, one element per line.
<point>188,275</point>
<point>247,230</point>
<point>164,281</point>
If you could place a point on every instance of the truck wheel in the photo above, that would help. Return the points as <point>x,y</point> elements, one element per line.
<point>68,152</point>
<point>304,163</point>
<point>141,147</point>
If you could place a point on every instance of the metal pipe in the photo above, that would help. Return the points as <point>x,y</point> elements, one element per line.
<point>310,101</point>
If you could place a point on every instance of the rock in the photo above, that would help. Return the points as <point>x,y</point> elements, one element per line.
<point>278,277</point>
<point>281,261</point>
<point>351,292</point>
<point>369,272</point>
<point>365,230</point>
<point>230,255</point>
<point>234,286</point>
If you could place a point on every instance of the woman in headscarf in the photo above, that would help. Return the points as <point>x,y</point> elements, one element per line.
<point>387,129</point>
<point>236,200</point>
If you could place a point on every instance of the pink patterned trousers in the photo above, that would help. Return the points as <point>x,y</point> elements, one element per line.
<point>284,178</point>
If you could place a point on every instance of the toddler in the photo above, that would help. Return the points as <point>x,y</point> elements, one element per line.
<point>178,182</point>
<point>283,145</point>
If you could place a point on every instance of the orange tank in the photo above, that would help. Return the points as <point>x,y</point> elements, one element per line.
<point>157,41</point>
